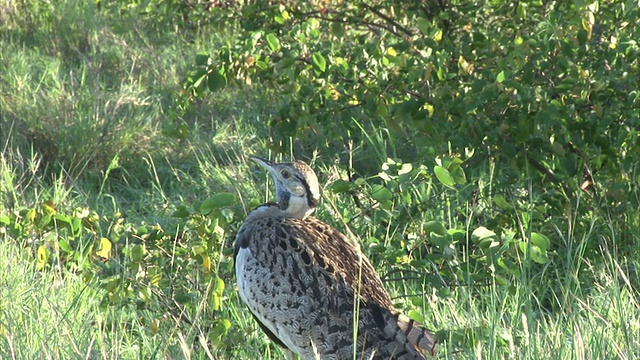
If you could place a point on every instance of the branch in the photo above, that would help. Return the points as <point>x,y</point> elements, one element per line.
<point>389,20</point>
<point>548,173</point>
<point>349,20</point>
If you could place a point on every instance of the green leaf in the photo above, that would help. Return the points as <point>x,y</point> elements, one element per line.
<point>457,173</point>
<point>337,29</point>
<point>44,220</point>
<point>540,241</point>
<point>405,168</point>
<point>64,245</point>
<point>501,202</point>
<point>63,220</point>
<point>202,59</point>
<point>340,186</point>
<point>456,235</point>
<point>439,241</point>
<point>482,233</point>
<point>381,193</point>
<point>218,286</point>
<point>534,252</point>
<point>215,301</point>
<point>500,77</point>
<point>538,255</point>
<point>416,316</point>
<point>484,237</point>
<point>197,77</point>
<point>435,227</point>
<point>217,201</point>
<point>216,80</point>
<point>76,225</point>
<point>272,42</point>
<point>199,249</point>
<point>219,332</point>
<point>444,176</point>
<point>521,11</point>
<point>319,63</point>
<point>262,65</point>
<point>136,253</point>
<point>184,297</point>
<point>181,212</point>
<point>500,280</point>
<point>424,25</point>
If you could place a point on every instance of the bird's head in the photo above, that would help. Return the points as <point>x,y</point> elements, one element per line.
<point>297,186</point>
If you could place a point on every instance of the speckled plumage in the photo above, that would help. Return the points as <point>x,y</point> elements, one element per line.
<point>301,277</point>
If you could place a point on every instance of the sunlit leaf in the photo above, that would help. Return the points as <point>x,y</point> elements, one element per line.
<point>272,42</point>
<point>484,237</point>
<point>30,215</point>
<point>443,176</point>
<point>340,186</point>
<point>319,63</point>
<point>136,252</point>
<point>217,201</point>
<point>206,263</point>
<point>435,227</point>
<point>540,241</point>
<point>43,257</point>
<point>534,252</point>
<point>457,173</point>
<point>501,202</point>
<point>64,245</point>
<point>105,248</point>
<point>381,193</point>
<point>416,316</point>
<point>218,286</point>
<point>153,326</point>
<point>49,207</point>
<point>424,25</point>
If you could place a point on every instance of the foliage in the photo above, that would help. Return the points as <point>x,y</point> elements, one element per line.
<point>456,85</point>
<point>140,265</point>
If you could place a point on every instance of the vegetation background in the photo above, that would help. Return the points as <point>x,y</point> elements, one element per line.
<point>486,153</point>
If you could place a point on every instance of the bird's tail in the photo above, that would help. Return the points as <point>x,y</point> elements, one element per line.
<point>412,337</point>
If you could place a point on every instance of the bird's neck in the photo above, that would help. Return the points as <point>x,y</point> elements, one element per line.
<point>296,207</point>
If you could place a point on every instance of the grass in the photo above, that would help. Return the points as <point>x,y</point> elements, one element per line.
<point>88,121</point>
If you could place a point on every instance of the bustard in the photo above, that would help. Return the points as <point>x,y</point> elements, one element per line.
<point>306,284</point>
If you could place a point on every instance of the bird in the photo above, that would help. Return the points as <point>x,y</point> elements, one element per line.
<point>310,288</point>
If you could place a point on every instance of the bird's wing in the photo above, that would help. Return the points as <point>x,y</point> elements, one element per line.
<point>352,273</point>
<point>339,258</point>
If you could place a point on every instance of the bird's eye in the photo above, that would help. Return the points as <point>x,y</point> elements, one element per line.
<point>286,174</point>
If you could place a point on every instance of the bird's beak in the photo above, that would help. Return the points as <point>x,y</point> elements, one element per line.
<point>265,164</point>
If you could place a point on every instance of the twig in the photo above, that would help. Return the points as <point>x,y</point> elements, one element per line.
<point>349,20</point>
<point>389,20</point>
